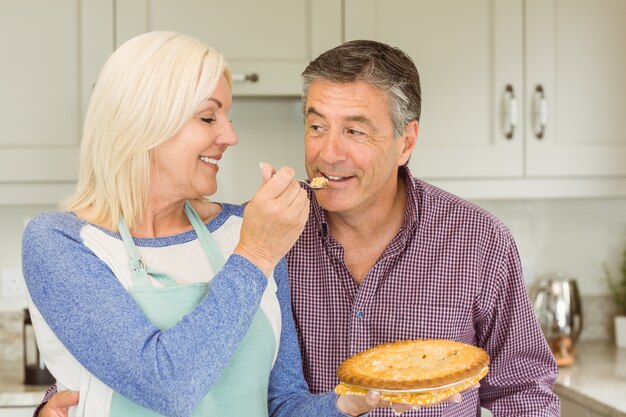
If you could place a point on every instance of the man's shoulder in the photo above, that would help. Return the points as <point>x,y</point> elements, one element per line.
<point>434,203</point>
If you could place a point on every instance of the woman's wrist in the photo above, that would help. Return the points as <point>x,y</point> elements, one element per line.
<point>265,265</point>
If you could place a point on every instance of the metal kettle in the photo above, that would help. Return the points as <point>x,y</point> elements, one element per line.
<point>556,302</point>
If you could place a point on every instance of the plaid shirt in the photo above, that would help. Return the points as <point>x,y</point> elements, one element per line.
<point>451,272</point>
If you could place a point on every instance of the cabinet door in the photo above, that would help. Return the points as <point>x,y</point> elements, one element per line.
<point>575,53</point>
<point>274,39</point>
<point>467,53</point>
<point>52,52</point>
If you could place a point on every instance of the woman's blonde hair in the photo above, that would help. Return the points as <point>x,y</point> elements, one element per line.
<point>147,90</point>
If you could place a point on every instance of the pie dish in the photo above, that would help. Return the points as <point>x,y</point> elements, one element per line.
<point>420,372</point>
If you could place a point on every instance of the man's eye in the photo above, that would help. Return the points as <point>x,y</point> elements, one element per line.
<point>316,129</point>
<point>355,132</point>
<point>208,120</point>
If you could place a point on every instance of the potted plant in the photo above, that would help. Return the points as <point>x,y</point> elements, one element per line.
<point>618,291</point>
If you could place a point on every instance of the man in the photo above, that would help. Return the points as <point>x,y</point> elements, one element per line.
<point>386,257</point>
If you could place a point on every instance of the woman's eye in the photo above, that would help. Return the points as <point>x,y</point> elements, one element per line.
<point>208,120</point>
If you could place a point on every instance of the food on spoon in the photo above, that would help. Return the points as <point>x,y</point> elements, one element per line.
<point>419,372</point>
<point>319,182</point>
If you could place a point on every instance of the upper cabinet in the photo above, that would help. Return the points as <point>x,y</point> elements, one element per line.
<point>575,88</point>
<point>521,98</point>
<point>524,98</point>
<point>266,43</point>
<point>467,53</point>
<point>52,52</point>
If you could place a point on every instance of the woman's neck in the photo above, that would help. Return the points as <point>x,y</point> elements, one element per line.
<point>162,219</point>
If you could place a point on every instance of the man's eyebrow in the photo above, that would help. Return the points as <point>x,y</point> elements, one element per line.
<point>216,101</point>
<point>311,110</point>
<point>353,118</point>
<point>360,119</point>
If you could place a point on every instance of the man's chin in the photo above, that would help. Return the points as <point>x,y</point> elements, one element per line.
<point>334,202</point>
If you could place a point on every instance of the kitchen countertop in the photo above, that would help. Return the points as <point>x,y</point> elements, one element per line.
<point>13,393</point>
<point>597,379</point>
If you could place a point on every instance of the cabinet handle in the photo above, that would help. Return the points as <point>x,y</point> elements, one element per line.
<point>510,114</point>
<point>541,112</point>
<point>240,78</point>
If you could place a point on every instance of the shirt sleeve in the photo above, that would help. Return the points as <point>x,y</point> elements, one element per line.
<point>96,319</point>
<point>288,393</point>
<point>522,370</point>
<point>49,394</point>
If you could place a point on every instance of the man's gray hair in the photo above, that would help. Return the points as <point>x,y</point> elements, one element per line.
<point>387,68</point>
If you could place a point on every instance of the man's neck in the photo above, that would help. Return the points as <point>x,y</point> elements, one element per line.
<point>365,235</point>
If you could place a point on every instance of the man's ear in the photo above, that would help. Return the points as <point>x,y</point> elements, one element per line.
<point>408,141</point>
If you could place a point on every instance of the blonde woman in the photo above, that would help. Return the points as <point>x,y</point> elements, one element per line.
<point>148,298</point>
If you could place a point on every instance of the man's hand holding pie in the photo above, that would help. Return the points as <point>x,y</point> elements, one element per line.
<point>412,373</point>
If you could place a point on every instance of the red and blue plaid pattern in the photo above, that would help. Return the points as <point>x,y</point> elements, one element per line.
<point>452,272</point>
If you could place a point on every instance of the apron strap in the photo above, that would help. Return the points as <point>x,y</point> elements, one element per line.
<point>212,251</point>
<point>142,273</point>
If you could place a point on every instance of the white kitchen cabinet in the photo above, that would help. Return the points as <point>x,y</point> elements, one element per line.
<point>492,72</point>
<point>52,52</point>
<point>272,39</point>
<point>575,53</point>
<point>467,53</point>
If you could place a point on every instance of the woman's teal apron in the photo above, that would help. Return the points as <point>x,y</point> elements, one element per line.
<point>241,390</point>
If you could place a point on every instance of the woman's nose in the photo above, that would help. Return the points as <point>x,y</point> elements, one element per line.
<point>228,136</point>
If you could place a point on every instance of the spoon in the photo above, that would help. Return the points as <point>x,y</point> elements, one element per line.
<point>308,183</point>
<point>320,182</point>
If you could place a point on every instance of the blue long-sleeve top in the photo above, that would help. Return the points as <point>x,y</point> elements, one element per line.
<point>91,331</point>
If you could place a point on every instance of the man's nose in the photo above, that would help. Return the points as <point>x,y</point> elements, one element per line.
<point>334,148</point>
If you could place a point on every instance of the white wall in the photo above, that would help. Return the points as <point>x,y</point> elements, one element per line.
<point>269,130</point>
<point>571,236</point>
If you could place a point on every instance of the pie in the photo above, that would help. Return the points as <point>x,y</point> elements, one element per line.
<point>413,371</point>
<point>319,182</point>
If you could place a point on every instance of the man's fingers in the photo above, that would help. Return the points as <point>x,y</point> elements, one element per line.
<point>454,398</point>
<point>64,399</point>
<point>372,399</point>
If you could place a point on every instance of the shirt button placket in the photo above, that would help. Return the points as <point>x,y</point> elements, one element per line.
<point>358,333</point>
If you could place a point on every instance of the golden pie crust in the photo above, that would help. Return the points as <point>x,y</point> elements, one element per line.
<point>414,371</point>
<point>319,182</point>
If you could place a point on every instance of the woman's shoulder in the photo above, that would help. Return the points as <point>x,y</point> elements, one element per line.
<point>209,210</point>
<point>54,226</point>
<point>233,209</point>
<point>54,220</point>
